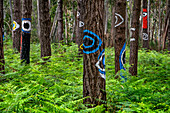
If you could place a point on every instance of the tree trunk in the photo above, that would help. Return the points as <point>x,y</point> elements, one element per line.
<point>169,26</point>
<point>26,30</point>
<point>135,37</point>
<point>94,53</point>
<point>159,29</point>
<point>145,26</point>
<point>112,41</point>
<point>16,25</point>
<point>80,25</point>
<point>60,20</point>
<point>38,17</point>
<point>66,25</point>
<point>10,3</point>
<point>53,29</point>
<point>73,37</point>
<point>120,41</point>
<point>45,26</point>
<point>2,61</point>
<point>106,16</point>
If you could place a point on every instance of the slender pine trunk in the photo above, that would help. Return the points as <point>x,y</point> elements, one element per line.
<point>2,60</point>
<point>17,25</point>
<point>134,38</point>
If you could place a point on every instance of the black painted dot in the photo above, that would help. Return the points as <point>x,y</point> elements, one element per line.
<point>26,25</point>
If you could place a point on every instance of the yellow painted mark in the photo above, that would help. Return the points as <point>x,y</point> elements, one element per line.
<point>81,46</point>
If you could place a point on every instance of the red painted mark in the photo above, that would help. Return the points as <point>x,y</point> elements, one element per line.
<point>21,44</point>
<point>145,19</point>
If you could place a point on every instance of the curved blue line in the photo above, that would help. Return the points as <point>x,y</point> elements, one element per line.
<point>121,53</point>
<point>86,36</point>
<point>26,18</point>
<point>121,65</point>
<point>26,31</point>
<point>100,42</point>
<point>102,72</point>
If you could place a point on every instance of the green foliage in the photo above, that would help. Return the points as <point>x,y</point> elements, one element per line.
<point>56,86</point>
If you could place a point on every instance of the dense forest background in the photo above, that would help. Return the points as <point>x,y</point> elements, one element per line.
<point>52,78</point>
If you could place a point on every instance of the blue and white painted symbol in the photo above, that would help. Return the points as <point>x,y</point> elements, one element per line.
<point>91,42</point>
<point>15,25</point>
<point>122,60</point>
<point>26,25</point>
<point>101,61</point>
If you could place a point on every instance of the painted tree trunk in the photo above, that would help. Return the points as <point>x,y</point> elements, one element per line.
<point>135,37</point>
<point>2,61</point>
<point>145,26</point>
<point>80,25</point>
<point>169,26</point>
<point>26,30</point>
<point>45,27</point>
<point>120,41</point>
<point>17,25</point>
<point>60,21</point>
<point>94,53</point>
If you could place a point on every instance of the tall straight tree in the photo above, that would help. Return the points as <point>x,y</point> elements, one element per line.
<point>2,61</point>
<point>80,24</point>
<point>16,34</point>
<point>145,26</point>
<point>169,26</point>
<point>60,20</point>
<point>26,30</point>
<point>45,25</point>
<point>135,37</point>
<point>120,40</point>
<point>93,52</point>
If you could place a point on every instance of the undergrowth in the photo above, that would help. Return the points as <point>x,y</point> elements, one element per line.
<point>57,85</point>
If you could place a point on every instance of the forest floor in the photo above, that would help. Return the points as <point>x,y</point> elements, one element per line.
<point>57,85</point>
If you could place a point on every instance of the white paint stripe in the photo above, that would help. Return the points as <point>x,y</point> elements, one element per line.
<point>132,39</point>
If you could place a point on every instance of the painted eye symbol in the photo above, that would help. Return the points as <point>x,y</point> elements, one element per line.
<point>26,26</point>
<point>100,63</point>
<point>91,42</point>
<point>122,57</point>
<point>144,14</point>
<point>117,20</point>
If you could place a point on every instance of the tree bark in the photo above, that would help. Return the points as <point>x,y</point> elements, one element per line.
<point>120,41</point>
<point>135,37</point>
<point>112,41</point>
<point>26,30</point>
<point>66,25</point>
<point>17,25</point>
<point>145,26</point>
<point>80,25</point>
<point>38,17</point>
<point>94,53</point>
<point>2,60</point>
<point>169,26</point>
<point>45,27</point>
<point>106,16</point>
<point>10,3</point>
<point>60,21</point>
